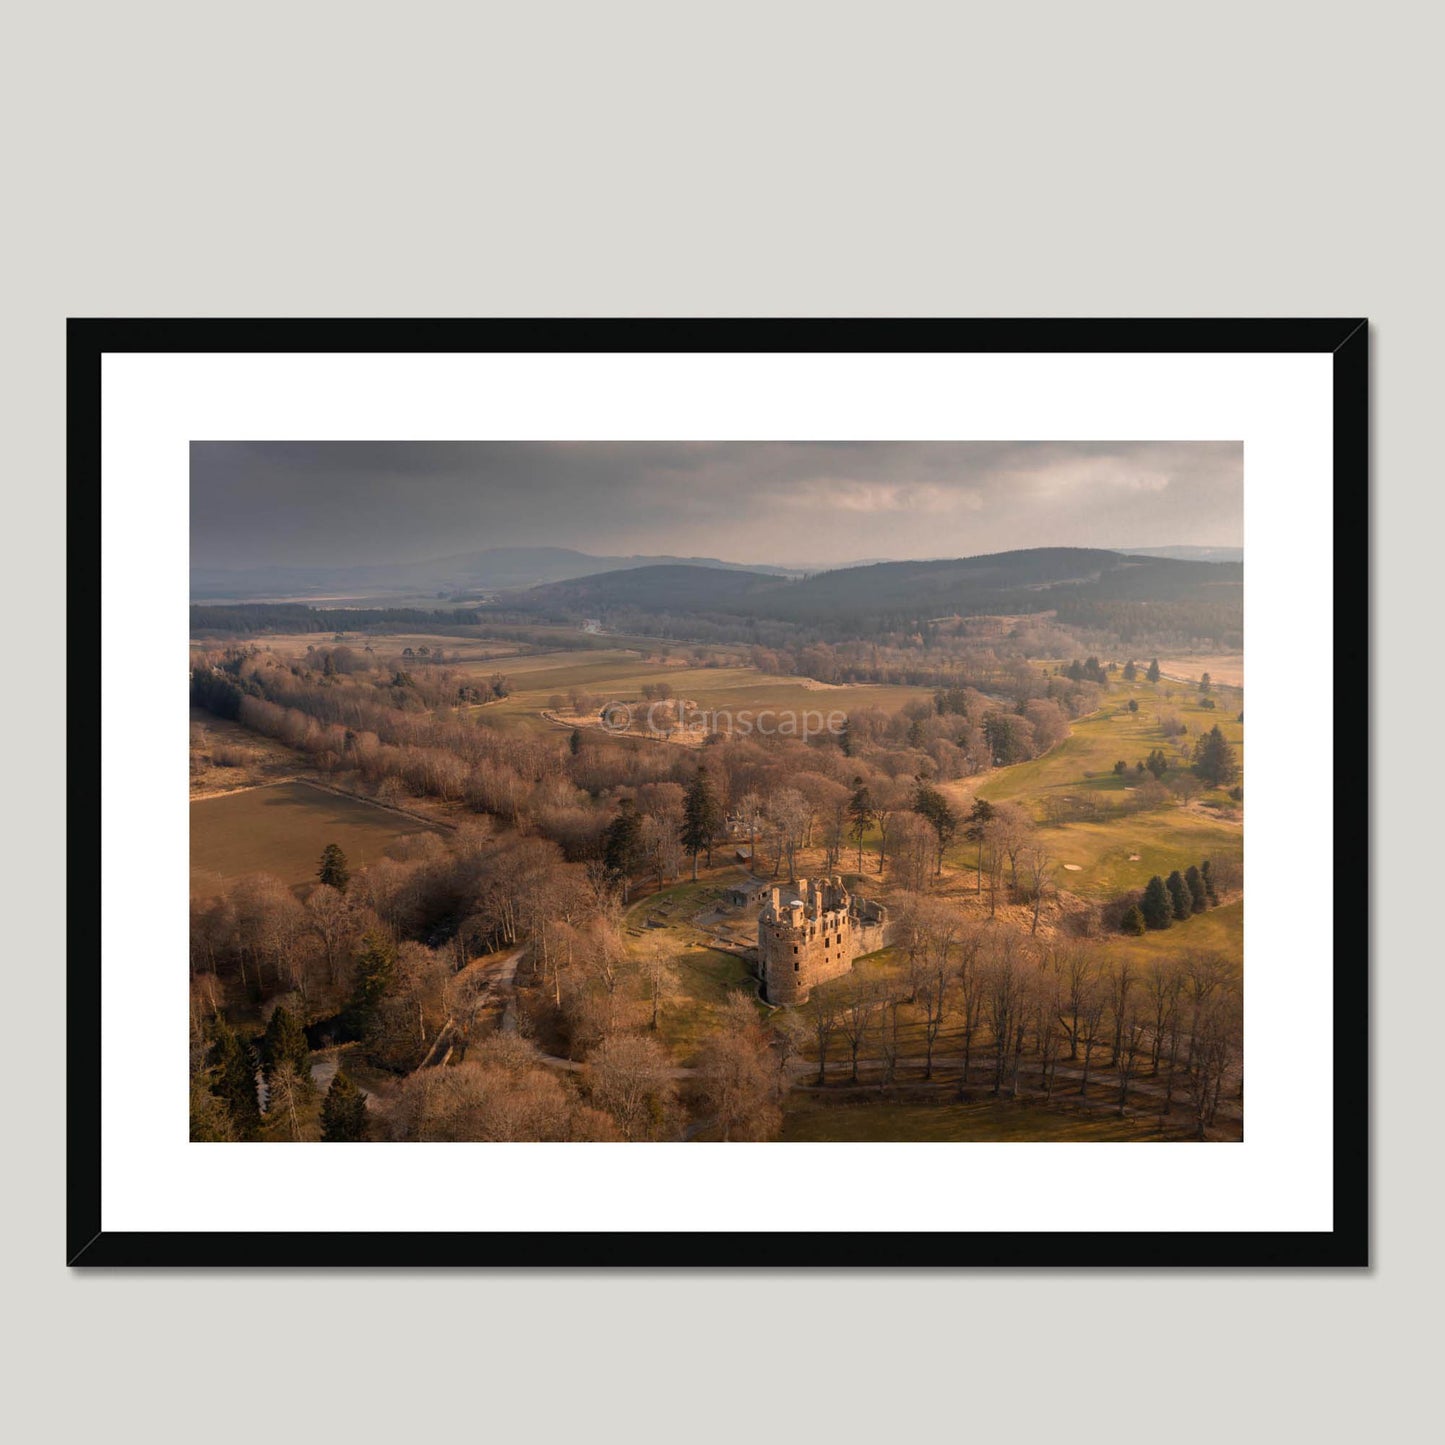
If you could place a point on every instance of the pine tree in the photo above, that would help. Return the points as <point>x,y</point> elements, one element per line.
<point>932,805</point>
<point>1178,895</point>
<point>1153,673</point>
<point>334,871</point>
<point>1157,763</point>
<point>701,818</point>
<point>235,1080</point>
<point>845,738</point>
<point>375,970</point>
<point>860,815</point>
<point>575,741</point>
<point>915,733</point>
<point>210,1118</point>
<point>1208,877</point>
<point>1215,761</point>
<point>1198,900</point>
<point>285,1043</point>
<point>1157,907</point>
<point>622,843</point>
<point>343,1112</point>
<point>1130,671</point>
<point>1133,921</point>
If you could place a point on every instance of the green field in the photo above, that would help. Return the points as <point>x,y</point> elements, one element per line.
<point>807,1119</point>
<point>282,829</point>
<point>1082,765</point>
<point>1220,930</point>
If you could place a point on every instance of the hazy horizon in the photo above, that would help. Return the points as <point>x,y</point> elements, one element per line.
<point>791,504</point>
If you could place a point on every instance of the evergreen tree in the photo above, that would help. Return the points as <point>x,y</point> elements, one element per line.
<point>701,818</point>
<point>1153,673</point>
<point>845,738</point>
<point>210,1118</point>
<point>1121,767</point>
<point>1208,877</point>
<point>375,970</point>
<point>932,805</point>
<point>1157,763</point>
<point>915,733</point>
<point>575,741</point>
<point>343,1112</point>
<point>1215,761</point>
<point>1130,671</point>
<point>622,843</point>
<point>334,871</point>
<point>1194,879</point>
<point>1178,895</point>
<point>1157,907</point>
<point>235,1080</point>
<point>1133,704</point>
<point>861,814</point>
<point>285,1043</point>
<point>1133,921</point>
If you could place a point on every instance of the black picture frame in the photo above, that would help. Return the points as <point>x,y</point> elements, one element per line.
<point>88,340</point>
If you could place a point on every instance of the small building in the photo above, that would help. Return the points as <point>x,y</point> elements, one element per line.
<point>749,893</point>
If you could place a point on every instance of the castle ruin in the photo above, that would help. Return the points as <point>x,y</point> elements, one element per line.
<point>811,931</point>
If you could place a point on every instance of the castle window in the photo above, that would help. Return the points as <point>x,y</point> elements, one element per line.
<point>795,968</point>
<point>795,948</point>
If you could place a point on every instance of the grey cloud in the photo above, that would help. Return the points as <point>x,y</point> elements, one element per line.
<point>813,503</point>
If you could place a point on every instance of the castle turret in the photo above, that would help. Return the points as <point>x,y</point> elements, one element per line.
<point>810,932</point>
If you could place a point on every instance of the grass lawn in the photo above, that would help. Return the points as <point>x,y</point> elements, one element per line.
<point>1220,930</point>
<point>1102,852</point>
<point>703,977</point>
<point>992,1121</point>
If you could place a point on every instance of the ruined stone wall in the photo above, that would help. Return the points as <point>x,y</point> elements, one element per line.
<point>808,938</point>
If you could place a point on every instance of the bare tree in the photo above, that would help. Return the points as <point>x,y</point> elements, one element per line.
<point>1038,869</point>
<point>1121,983</point>
<point>1214,1054</point>
<point>629,1077</point>
<point>821,1014</point>
<point>1092,1004</point>
<point>972,987</point>
<point>736,1076</point>
<point>1129,1057</point>
<point>854,1017</point>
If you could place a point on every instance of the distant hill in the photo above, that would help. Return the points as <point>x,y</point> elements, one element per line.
<point>488,570</point>
<point>1084,585</point>
<point>1187,554</point>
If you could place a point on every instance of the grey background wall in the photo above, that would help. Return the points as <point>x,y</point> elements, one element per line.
<point>646,159</point>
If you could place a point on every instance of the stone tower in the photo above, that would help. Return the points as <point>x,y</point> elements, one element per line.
<point>812,931</point>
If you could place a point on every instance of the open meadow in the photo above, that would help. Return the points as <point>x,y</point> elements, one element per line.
<point>282,828</point>
<point>1115,849</point>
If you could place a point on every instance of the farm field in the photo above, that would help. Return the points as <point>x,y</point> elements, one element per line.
<point>1223,668</point>
<point>621,675</point>
<point>281,830</point>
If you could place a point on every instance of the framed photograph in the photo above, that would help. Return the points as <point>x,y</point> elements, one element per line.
<point>715,793</point>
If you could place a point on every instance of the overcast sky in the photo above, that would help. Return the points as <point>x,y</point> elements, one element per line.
<point>791,503</point>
